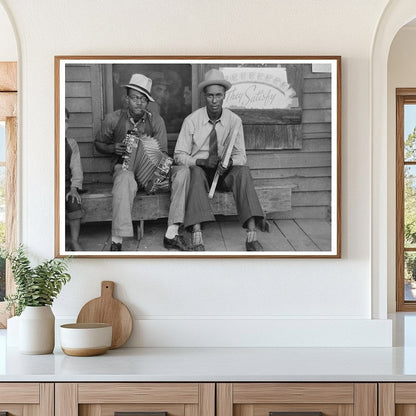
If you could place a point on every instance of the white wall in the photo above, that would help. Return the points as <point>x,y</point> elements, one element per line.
<point>211,301</point>
<point>401,74</point>
<point>8,46</point>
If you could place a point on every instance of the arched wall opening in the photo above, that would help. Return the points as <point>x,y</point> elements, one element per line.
<point>401,74</point>
<point>396,15</point>
<point>8,148</point>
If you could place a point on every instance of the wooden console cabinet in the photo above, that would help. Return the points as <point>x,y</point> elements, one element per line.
<point>208,399</point>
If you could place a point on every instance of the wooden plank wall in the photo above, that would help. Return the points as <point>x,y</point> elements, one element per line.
<point>84,100</point>
<point>306,170</point>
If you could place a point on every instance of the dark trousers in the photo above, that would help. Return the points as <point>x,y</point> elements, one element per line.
<point>238,180</point>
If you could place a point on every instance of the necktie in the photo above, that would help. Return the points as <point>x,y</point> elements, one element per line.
<point>213,145</point>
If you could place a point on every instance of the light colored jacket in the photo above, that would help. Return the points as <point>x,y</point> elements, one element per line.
<point>193,139</point>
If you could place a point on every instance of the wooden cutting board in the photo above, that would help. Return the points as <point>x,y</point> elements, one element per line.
<point>108,310</point>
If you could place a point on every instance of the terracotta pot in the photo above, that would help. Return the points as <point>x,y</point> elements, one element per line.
<point>37,330</point>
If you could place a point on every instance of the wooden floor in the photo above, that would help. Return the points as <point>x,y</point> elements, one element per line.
<point>223,235</point>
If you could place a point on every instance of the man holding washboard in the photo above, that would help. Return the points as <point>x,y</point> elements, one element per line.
<point>211,144</point>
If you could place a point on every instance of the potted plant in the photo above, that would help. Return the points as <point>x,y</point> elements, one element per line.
<point>36,289</point>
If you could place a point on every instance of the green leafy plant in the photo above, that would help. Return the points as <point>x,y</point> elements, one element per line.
<point>35,285</point>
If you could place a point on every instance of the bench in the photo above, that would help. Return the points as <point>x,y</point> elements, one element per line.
<point>97,204</point>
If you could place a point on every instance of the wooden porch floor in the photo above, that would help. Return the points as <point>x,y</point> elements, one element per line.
<point>225,234</point>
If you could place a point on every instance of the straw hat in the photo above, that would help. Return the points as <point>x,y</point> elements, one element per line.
<point>142,84</point>
<point>214,77</point>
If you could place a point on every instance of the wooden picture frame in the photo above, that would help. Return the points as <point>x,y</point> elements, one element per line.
<point>290,108</point>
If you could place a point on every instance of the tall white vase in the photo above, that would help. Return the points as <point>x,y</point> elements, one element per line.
<point>37,330</point>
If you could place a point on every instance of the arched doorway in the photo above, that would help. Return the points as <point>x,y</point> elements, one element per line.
<point>395,16</point>
<point>401,101</point>
<point>8,150</point>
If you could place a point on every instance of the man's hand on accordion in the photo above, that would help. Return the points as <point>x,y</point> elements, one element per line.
<point>210,163</point>
<point>120,148</point>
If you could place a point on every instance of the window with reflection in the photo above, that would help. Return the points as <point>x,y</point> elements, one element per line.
<point>2,206</point>
<point>406,200</point>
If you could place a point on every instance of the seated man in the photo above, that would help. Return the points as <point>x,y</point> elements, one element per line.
<point>134,120</point>
<point>73,184</point>
<point>200,142</point>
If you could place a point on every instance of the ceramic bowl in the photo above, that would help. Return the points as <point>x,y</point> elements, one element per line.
<point>84,340</point>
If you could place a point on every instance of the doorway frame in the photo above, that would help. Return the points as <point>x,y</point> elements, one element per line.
<point>8,113</point>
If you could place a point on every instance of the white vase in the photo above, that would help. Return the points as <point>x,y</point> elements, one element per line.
<point>37,330</point>
<point>12,334</point>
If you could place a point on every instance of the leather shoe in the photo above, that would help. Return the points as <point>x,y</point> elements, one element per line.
<point>264,226</point>
<point>198,247</point>
<point>253,246</point>
<point>178,243</point>
<point>115,246</point>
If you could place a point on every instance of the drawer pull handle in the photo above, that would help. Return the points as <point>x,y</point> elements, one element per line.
<point>140,414</point>
<point>295,413</point>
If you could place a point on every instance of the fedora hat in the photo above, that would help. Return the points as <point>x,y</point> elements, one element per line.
<point>142,84</point>
<point>214,77</point>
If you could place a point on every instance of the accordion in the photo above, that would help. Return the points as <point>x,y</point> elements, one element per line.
<point>149,164</point>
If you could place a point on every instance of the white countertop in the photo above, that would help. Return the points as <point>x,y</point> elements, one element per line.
<point>215,364</point>
<point>222,364</point>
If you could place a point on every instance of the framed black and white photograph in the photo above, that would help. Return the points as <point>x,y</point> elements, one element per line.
<point>198,156</point>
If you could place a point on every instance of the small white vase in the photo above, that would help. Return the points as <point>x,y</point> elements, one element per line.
<point>12,334</point>
<point>37,330</point>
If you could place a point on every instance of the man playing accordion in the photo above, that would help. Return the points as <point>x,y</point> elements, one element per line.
<point>136,137</point>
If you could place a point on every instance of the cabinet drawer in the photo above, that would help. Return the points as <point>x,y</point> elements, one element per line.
<point>107,399</point>
<point>270,399</point>
<point>397,399</point>
<point>19,393</point>
<point>138,393</point>
<point>21,399</point>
